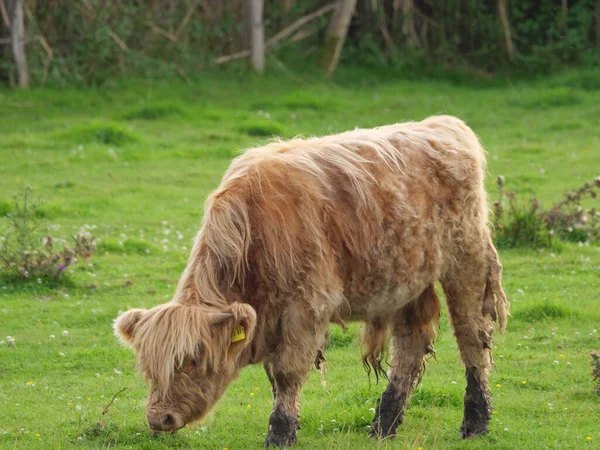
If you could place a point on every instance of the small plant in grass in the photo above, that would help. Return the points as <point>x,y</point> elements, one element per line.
<point>27,252</point>
<point>596,370</point>
<point>527,224</point>
<point>570,220</point>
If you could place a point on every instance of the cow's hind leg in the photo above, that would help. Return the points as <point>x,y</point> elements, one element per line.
<point>475,299</point>
<point>413,333</point>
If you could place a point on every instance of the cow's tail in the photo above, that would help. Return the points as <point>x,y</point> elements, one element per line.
<point>374,340</point>
<point>495,303</point>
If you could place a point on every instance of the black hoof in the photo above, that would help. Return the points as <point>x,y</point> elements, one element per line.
<point>375,435</point>
<point>472,430</point>
<point>389,413</point>
<point>282,430</point>
<point>280,441</point>
<point>477,407</point>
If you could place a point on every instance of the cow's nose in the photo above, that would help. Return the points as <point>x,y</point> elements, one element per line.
<point>161,421</point>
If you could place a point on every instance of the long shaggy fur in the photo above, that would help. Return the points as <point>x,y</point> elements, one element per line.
<point>358,225</point>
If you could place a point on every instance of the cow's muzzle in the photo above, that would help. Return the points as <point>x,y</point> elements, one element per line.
<point>164,422</point>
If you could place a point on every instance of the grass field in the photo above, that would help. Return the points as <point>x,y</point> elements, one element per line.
<point>134,162</point>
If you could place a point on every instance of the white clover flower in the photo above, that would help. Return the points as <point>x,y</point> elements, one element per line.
<point>52,336</point>
<point>65,333</point>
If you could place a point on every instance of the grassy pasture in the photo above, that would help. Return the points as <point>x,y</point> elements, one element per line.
<point>133,163</point>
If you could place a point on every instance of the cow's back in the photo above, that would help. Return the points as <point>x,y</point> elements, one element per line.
<point>367,216</point>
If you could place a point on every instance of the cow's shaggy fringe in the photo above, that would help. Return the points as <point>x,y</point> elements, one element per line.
<point>174,332</point>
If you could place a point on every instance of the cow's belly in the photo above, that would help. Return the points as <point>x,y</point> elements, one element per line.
<point>389,280</point>
<point>385,301</point>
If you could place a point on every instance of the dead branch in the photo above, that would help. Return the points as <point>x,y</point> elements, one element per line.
<point>105,410</point>
<point>43,42</point>
<point>503,13</point>
<point>231,57</point>
<point>182,72</point>
<point>336,34</point>
<point>169,36</point>
<point>299,23</point>
<point>207,10</point>
<point>118,40</point>
<point>188,15</point>
<point>281,35</point>
<point>386,36</point>
<point>303,34</point>
<point>4,14</point>
<point>49,53</point>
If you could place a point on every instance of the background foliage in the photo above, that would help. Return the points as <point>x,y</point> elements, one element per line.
<point>90,41</point>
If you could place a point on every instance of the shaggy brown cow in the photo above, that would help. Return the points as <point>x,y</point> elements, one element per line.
<point>356,226</point>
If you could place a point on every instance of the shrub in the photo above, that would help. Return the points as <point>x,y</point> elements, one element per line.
<point>528,224</point>
<point>26,252</point>
<point>596,370</point>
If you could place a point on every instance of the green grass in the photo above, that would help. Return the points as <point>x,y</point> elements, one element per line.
<point>134,164</point>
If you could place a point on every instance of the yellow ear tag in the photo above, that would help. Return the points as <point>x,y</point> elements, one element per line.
<point>238,334</point>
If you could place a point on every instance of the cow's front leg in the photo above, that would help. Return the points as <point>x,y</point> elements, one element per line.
<point>301,335</point>
<point>267,367</point>
<point>284,420</point>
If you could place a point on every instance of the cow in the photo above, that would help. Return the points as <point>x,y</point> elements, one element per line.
<point>307,232</point>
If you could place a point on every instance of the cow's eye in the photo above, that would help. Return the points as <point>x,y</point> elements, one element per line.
<point>193,364</point>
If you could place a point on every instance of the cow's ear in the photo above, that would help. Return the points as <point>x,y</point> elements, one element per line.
<point>240,330</point>
<point>125,324</point>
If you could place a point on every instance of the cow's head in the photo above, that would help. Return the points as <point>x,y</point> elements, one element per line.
<point>188,354</point>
